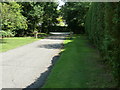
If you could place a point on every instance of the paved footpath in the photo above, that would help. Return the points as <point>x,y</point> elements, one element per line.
<point>24,65</point>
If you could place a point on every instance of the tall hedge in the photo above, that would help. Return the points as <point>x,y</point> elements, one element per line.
<point>103,26</point>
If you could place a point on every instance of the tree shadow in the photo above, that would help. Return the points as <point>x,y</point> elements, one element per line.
<point>55,45</point>
<point>51,46</point>
<point>43,77</point>
<point>41,80</point>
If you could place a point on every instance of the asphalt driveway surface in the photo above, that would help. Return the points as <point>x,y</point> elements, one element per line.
<point>21,67</point>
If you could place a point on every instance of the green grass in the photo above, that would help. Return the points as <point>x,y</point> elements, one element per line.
<point>11,43</point>
<point>79,66</point>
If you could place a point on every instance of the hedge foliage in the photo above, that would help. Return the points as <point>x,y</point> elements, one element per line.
<point>103,28</point>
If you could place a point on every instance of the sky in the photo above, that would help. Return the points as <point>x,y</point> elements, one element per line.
<point>60,4</point>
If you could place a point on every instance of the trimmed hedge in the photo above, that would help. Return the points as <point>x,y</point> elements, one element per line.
<point>103,28</point>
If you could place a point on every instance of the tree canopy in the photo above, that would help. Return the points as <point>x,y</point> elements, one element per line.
<point>23,18</point>
<point>74,14</point>
<point>11,17</point>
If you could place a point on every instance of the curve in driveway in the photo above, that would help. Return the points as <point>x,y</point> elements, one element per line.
<point>27,66</point>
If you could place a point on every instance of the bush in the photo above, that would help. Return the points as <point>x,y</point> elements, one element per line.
<point>3,33</point>
<point>102,26</point>
<point>6,33</point>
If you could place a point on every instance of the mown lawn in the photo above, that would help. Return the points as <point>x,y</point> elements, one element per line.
<point>79,66</point>
<point>11,43</point>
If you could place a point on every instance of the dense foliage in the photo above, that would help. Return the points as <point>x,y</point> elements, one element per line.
<point>11,17</point>
<point>50,15</point>
<point>24,18</point>
<point>102,28</point>
<point>74,14</point>
<point>33,11</point>
<point>6,33</point>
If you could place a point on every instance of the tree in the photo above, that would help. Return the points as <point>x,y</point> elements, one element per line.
<point>49,16</point>
<point>11,17</point>
<point>33,11</point>
<point>74,14</point>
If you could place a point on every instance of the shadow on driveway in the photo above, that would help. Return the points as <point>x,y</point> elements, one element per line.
<point>41,80</point>
<point>51,46</point>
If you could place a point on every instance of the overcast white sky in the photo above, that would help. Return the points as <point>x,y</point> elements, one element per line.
<point>60,4</point>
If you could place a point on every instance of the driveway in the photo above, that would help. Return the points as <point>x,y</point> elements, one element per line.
<point>27,65</point>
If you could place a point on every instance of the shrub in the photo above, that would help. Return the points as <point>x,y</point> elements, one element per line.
<point>6,33</point>
<point>102,26</point>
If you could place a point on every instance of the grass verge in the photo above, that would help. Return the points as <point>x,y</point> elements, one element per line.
<point>79,66</point>
<point>11,43</point>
